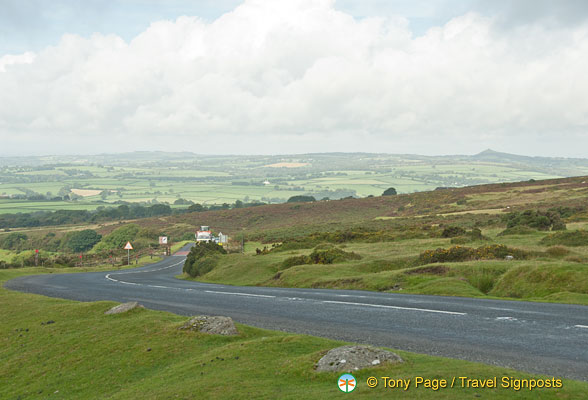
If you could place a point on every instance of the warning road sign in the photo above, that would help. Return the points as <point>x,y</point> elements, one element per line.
<point>128,246</point>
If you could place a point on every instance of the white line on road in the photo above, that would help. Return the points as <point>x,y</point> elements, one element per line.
<point>240,294</point>
<point>107,276</point>
<point>581,326</point>
<point>394,307</point>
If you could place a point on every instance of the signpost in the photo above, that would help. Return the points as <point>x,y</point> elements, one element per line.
<point>128,247</point>
<point>163,241</point>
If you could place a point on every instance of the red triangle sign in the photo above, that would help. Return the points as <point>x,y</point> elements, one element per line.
<point>128,246</point>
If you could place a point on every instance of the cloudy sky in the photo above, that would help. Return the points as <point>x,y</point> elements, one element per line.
<point>294,76</point>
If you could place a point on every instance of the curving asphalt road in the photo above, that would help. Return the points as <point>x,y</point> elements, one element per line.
<point>536,337</point>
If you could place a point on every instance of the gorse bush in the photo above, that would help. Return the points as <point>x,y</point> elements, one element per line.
<point>202,258</point>
<point>461,253</point>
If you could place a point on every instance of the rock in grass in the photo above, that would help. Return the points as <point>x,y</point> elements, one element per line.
<point>211,325</point>
<point>124,308</point>
<point>352,358</point>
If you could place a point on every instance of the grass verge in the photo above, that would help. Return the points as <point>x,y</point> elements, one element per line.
<point>85,354</point>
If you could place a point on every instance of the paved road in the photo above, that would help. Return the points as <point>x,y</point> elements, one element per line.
<point>535,337</point>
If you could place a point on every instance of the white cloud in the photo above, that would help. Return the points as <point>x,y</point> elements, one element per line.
<point>15,59</point>
<point>300,76</point>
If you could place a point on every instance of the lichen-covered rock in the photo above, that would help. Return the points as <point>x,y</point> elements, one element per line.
<point>212,325</point>
<point>124,308</point>
<point>352,358</point>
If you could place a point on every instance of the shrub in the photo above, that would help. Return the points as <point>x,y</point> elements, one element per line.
<point>517,230</point>
<point>81,241</point>
<point>322,254</point>
<point>202,258</point>
<point>331,255</point>
<point>473,235</point>
<point>390,192</point>
<point>293,261</point>
<point>13,241</point>
<point>453,231</point>
<point>566,238</point>
<point>461,253</point>
<point>540,220</point>
<point>558,225</point>
<point>301,199</point>
<point>119,237</point>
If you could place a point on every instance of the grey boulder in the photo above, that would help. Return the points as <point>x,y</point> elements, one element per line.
<point>355,357</point>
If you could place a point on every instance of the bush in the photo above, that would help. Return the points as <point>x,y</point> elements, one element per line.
<point>558,225</point>
<point>453,231</point>
<point>322,254</point>
<point>13,241</point>
<point>390,192</point>
<point>293,261</point>
<point>331,255</point>
<point>517,230</point>
<point>567,238</point>
<point>460,253</point>
<point>301,199</point>
<point>81,241</point>
<point>540,220</point>
<point>202,258</point>
<point>119,237</point>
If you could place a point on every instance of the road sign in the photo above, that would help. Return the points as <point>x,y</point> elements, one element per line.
<point>163,240</point>
<point>128,246</point>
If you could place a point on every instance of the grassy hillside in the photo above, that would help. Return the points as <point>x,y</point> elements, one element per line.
<point>548,275</point>
<point>392,233</point>
<point>85,354</point>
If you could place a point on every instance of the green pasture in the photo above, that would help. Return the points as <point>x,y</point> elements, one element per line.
<point>212,182</point>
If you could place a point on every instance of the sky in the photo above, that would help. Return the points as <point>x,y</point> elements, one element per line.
<point>294,76</point>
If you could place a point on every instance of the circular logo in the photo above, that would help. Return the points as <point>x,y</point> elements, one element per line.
<point>346,383</point>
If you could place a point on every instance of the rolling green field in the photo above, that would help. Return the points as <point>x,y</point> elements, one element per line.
<point>84,354</point>
<point>40,183</point>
